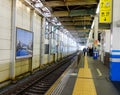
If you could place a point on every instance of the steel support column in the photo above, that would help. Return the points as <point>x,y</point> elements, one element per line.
<point>96,31</point>
<point>62,46</point>
<point>67,45</point>
<point>58,45</point>
<point>49,41</point>
<point>13,40</point>
<point>42,41</point>
<point>31,29</point>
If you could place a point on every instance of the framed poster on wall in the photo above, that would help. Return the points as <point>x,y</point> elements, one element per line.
<point>24,43</point>
<point>46,48</point>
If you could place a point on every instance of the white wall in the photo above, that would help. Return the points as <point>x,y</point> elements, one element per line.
<point>22,21</point>
<point>5,38</point>
<point>37,37</point>
<point>23,16</point>
<point>116,26</point>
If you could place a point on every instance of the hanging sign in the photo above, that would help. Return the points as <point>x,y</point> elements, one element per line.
<point>105,11</point>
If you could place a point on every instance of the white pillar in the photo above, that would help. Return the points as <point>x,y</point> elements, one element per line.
<point>13,41</point>
<point>90,44</point>
<point>49,41</point>
<point>42,41</point>
<point>58,45</point>
<point>115,43</point>
<point>67,43</point>
<point>31,29</point>
<point>102,46</point>
<point>91,34</point>
<point>62,46</point>
<point>96,30</point>
<point>107,40</point>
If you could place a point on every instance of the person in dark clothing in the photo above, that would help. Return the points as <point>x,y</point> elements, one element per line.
<point>78,58</point>
<point>87,50</point>
<point>91,51</point>
<point>84,51</point>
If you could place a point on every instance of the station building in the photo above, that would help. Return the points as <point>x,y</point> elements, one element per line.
<point>36,34</point>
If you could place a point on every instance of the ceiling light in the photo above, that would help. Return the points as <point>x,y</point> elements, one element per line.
<point>38,5</point>
<point>36,0</point>
<point>59,23</point>
<point>92,25</point>
<point>84,27</point>
<point>98,9</point>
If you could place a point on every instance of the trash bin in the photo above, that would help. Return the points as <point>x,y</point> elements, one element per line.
<point>95,55</point>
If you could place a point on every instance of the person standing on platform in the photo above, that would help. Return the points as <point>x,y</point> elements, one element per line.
<point>91,51</point>
<point>78,58</point>
<point>84,51</point>
<point>95,53</point>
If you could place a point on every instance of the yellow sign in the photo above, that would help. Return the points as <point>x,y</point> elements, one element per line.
<point>105,11</point>
<point>105,17</point>
<point>105,4</point>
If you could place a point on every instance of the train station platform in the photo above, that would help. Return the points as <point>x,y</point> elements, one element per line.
<point>89,77</point>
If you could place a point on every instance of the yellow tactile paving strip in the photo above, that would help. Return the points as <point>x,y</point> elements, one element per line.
<point>84,73</point>
<point>84,84</point>
<point>85,63</point>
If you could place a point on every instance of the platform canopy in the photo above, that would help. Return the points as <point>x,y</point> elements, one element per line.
<point>75,15</point>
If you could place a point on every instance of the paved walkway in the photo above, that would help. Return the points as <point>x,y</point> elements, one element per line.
<point>84,84</point>
<point>91,77</point>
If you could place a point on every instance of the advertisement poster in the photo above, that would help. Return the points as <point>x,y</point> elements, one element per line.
<point>24,43</point>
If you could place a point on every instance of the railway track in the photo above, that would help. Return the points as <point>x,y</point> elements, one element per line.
<point>38,84</point>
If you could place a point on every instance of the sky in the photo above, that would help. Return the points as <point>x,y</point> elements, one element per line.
<point>24,36</point>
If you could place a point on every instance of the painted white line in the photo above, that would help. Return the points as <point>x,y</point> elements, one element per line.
<point>73,74</point>
<point>99,72</point>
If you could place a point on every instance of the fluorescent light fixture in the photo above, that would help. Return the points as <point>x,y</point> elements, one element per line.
<point>46,11</point>
<point>36,0</point>
<point>98,9</point>
<point>92,24</point>
<point>38,5</point>
<point>84,27</point>
<point>59,23</point>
